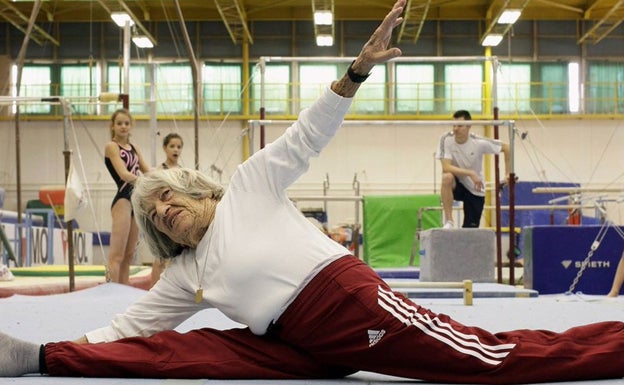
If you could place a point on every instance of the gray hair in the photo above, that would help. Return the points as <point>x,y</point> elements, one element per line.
<point>187,181</point>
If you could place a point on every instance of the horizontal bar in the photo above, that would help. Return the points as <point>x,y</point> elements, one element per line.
<point>425,285</point>
<point>520,207</point>
<point>415,59</point>
<point>568,190</point>
<point>359,198</point>
<point>327,198</point>
<point>449,122</point>
<point>465,285</point>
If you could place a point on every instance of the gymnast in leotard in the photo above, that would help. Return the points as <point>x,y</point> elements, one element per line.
<point>124,162</point>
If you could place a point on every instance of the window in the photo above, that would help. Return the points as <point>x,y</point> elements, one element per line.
<point>222,88</point>
<point>174,89</point>
<point>463,87</point>
<point>605,88</point>
<point>314,79</point>
<point>138,87</point>
<point>555,89</point>
<point>414,88</point>
<point>371,97</point>
<point>513,88</point>
<point>79,85</point>
<point>36,82</point>
<point>276,89</point>
<point>574,88</point>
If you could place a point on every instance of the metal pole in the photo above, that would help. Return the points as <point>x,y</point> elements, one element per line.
<point>18,169</point>
<point>356,230</point>
<point>497,212</point>
<point>262,107</point>
<point>69,226</point>
<point>195,74</point>
<point>153,111</point>
<point>126,58</point>
<point>7,246</point>
<point>512,207</point>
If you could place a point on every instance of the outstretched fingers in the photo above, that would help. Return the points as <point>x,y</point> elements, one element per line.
<point>376,50</point>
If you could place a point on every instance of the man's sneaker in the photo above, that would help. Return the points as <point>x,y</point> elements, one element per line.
<point>448,225</point>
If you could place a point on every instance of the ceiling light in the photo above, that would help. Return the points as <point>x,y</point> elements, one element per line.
<point>492,40</point>
<point>120,18</point>
<point>323,18</point>
<point>324,40</point>
<point>509,16</point>
<point>142,41</point>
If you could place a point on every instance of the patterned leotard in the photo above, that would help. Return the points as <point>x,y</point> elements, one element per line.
<point>131,160</point>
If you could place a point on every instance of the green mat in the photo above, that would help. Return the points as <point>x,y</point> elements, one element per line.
<point>390,223</point>
<point>63,270</point>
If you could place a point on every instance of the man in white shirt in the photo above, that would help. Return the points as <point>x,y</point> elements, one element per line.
<point>461,154</point>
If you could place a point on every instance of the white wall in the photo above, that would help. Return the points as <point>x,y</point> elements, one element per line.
<point>388,158</point>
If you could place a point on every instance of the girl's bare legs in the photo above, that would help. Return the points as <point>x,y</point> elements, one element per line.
<point>124,235</point>
<point>131,246</point>
<point>618,279</point>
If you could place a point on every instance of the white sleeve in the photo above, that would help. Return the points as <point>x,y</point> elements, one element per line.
<point>164,307</point>
<point>490,146</point>
<point>443,151</point>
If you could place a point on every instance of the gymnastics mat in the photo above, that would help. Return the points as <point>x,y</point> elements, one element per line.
<point>479,290</point>
<point>63,270</point>
<point>55,279</point>
<point>390,223</point>
<point>409,272</point>
<point>67,316</point>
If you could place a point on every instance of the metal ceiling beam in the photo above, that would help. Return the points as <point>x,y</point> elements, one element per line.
<point>234,17</point>
<point>323,5</point>
<point>556,4</point>
<point>20,21</point>
<point>605,25</point>
<point>136,20</point>
<point>591,7</point>
<point>413,20</point>
<point>495,11</point>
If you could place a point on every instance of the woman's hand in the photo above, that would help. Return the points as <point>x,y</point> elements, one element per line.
<point>376,50</point>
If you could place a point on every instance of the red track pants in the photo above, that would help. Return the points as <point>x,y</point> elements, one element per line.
<point>347,319</point>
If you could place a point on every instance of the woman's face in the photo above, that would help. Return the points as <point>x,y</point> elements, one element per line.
<point>178,215</point>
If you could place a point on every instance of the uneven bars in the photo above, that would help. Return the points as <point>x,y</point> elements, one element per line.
<point>449,122</point>
<point>327,198</point>
<point>330,198</point>
<point>568,190</point>
<point>409,59</point>
<point>519,207</point>
<point>104,97</point>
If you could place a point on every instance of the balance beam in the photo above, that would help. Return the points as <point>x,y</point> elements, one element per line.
<point>465,285</point>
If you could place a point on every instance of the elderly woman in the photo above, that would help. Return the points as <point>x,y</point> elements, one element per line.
<point>312,310</point>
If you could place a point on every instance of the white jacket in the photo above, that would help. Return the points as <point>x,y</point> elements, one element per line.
<point>259,251</point>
